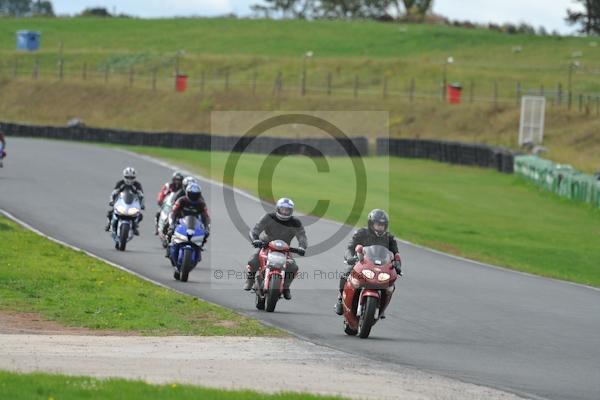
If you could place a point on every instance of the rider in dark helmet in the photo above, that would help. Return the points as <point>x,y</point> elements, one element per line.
<point>128,181</point>
<point>277,225</point>
<point>191,204</point>
<point>375,234</point>
<point>175,186</point>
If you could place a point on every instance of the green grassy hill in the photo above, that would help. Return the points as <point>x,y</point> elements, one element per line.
<point>369,49</point>
<point>119,73</point>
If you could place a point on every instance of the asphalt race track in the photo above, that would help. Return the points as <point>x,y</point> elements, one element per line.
<point>533,336</point>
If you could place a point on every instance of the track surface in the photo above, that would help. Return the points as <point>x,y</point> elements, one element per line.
<point>533,336</point>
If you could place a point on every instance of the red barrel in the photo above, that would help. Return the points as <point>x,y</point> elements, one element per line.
<point>454,91</point>
<point>181,83</point>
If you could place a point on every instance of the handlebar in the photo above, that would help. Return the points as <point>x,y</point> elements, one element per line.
<point>261,244</point>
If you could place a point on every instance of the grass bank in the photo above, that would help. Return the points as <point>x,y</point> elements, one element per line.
<point>472,212</point>
<point>59,387</point>
<point>71,288</point>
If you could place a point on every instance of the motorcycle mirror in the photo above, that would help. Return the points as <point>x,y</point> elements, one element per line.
<point>358,249</point>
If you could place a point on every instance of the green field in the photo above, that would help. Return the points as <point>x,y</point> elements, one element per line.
<point>39,386</point>
<point>233,64</point>
<point>370,49</point>
<point>75,290</point>
<point>472,212</point>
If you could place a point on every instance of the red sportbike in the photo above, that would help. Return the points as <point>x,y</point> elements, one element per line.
<point>273,259</point>
<point>368,289</point>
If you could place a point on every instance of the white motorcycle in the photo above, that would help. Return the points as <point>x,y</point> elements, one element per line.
<point>163,218</point>
<point>126,211</point>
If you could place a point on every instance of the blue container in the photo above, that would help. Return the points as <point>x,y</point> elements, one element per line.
<point>28,40</point>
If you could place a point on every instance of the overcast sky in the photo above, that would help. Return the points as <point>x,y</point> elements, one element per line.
<point>549,13</point>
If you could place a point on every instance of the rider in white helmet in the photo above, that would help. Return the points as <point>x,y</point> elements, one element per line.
<point>279,224</point>
<point>129,181</point>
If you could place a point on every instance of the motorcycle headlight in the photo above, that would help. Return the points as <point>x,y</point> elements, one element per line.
<point>133,211</point>
<point>368,273</point>
<point>121,209</point>
<point>382,277</point>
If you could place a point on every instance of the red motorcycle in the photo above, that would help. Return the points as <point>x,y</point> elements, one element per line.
<point>273,259</point>
<point>368,289</point>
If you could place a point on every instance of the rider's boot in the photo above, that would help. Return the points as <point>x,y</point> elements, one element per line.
<point>339,309</point>
<point>136,231</point>
<point>287,294</point>
<point>107,226</point>
<point>250,276</point>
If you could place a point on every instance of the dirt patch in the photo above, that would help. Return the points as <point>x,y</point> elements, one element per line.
<point>30,323</point>
<point>232,363</point>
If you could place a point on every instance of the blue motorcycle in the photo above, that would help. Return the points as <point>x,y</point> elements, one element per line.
<point>185,249</point>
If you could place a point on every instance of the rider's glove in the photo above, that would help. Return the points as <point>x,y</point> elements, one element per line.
<point>397,266</point>
<point>257,243</point>
<point>143,207</point>
<point>352,260</point>
<point>301,251</point>
<point>111,203</point>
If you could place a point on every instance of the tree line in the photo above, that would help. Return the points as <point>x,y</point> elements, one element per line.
<point>26,8</point>
<point>344,9</point>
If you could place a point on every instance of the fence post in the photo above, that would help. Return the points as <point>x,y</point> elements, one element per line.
<point>61,65</point>
<point>495,94</point>
<point>518,94</point>
<point>559,95</point>
<point>154,74</point>
<point>580,102</point>
<point>472,91</point>
<point>597,106</point>
<point>278,84</point>
<point>36,68</point>
<point>254,74</point>
<point>587,105</point>
<point>355,86</point>
<point>84,72</point>
<point>542,90</point>
<point>202,81</point>
<point>384,93</point>
<point>329,82</point>
<point>412,89</point>
<point>226,80</point>
<point>303,79</point>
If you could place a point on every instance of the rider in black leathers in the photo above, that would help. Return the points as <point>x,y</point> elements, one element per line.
<point>277,225</point>
<point>375,234</point>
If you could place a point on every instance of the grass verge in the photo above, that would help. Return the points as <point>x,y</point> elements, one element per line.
<point>59,387</point>
<point>472,212</point>
<point>69,287</point>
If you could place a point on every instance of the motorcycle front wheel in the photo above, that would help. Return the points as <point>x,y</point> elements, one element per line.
<point>186,264</point>
<point>367,318</point>
<point>123,236</point>
<point>273,293</point>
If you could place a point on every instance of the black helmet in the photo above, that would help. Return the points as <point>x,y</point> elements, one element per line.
<point>177,179</point>
<point>193,193</point>
<point>378,217</point>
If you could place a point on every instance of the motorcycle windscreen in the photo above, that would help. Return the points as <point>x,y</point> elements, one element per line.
<point>378,255</point>
<point>127,196</point>
<point>193,224</point>
<point>276,259</point>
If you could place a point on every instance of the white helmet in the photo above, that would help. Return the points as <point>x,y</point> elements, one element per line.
<point>129,175</point>
<point>284,208</point>
<point>188,180</point>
